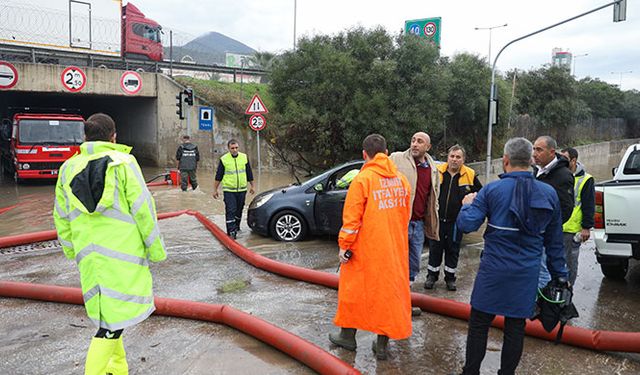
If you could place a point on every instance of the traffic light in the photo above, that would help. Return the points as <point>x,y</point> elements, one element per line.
<point>179,105</point>
<point>620,11</point>
<point>188,96</point>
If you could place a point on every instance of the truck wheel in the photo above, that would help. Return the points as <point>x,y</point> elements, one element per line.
<point>616,271</point>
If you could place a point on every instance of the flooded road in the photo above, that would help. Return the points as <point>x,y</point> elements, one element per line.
<point>39,338</point>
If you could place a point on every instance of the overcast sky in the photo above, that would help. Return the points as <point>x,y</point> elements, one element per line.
<point>267,25</point>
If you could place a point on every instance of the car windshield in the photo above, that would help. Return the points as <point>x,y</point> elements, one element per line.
<point>53,132</point>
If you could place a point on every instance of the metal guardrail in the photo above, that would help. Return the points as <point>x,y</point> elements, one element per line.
<point>50,56</point>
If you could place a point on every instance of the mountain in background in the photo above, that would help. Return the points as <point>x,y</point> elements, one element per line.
<point>210,48</point>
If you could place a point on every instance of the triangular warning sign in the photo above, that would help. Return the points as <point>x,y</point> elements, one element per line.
<point>256,106</point>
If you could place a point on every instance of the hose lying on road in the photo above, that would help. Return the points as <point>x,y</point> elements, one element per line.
<point>576,336</point>
<point>298,348</point>
<point>48,235</point>
<point>5,209</point>
<point>159,183</point>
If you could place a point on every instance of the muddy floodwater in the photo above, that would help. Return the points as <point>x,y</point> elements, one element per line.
<point>49,338</point>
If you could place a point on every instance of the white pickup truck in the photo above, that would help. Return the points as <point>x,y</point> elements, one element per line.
<point>617,216</point>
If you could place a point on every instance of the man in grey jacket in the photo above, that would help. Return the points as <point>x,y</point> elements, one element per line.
<point>420,169</point>
<point>188,157</point>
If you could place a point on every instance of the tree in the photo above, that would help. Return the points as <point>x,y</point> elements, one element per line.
<point>549,94</point>
<point>631,105</point>
<point>603,99</point>
<point>469,81</point>
<point>334,90</point>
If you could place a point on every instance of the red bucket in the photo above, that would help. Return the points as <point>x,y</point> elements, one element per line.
<point>174,176</point>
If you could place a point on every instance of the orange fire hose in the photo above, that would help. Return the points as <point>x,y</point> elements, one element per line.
<point>576,336</point>
<point>298,348</point>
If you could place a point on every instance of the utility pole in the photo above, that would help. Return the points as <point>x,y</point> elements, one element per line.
<point>620,77</point>
<point>513,96</point>
<point>573,71</point>
<point>490,29</point>
<point>295,13</point>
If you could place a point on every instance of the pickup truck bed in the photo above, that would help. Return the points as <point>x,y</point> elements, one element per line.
<point>617,217</point>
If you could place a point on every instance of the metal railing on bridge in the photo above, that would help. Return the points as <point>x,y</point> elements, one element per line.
<point>56,57</point>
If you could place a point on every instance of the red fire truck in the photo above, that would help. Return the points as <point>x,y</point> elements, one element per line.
<point>35,143</point>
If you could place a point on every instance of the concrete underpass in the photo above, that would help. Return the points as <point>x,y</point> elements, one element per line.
<point>135,117</point>
<point>146,120</point>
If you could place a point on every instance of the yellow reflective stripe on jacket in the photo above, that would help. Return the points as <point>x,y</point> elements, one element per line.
<point>112,245</point>
<point>574,224</point>
<point>467,175</point>
<point>235,174</point>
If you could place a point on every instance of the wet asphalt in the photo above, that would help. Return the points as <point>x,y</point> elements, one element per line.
<point>49,338</point>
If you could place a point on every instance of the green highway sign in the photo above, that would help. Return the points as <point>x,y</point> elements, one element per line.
<point>428,28</point>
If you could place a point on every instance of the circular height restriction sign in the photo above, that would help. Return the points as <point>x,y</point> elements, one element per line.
<point>8,75</point>
<point>430,29</point>
<point>257,122</point>
<point>131,82</point>
<point>73,78</point>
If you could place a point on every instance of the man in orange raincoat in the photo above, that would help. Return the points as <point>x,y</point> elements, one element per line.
<point>373,292</point>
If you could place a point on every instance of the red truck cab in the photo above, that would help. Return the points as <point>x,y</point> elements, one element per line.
<point>140,35</point>
<point>39,143</point>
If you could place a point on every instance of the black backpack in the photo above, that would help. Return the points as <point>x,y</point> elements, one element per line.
<point>554,306</point>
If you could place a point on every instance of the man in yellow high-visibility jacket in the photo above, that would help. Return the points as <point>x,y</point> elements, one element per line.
<point>581,220</point>
<point>106,221</point>
<point>234,172</point>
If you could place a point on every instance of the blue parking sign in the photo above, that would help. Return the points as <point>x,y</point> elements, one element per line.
<point>206,118</point>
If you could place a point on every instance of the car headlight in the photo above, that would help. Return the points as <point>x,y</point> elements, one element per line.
<point>261,200</point>
<point>26,166</point>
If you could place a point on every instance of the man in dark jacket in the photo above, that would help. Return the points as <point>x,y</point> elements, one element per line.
<point>523,224</point>
<point>188,157</point>
<point>456,181</point>
<point>581,221</point>
<point>553,169</point>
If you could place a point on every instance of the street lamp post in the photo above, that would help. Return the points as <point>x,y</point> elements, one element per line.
<point>295,13</point>
<point>573,70</point>
<point>490,29</point>
<point>620,15</point>
<point>620,77</point>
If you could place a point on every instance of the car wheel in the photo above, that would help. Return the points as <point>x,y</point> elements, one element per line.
<point>616,271</point>
<point>288,226</point>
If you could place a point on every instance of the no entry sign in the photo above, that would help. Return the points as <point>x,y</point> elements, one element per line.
<point>257,122</point>
<point>8,75</point>
<point>131,82</point>
<point>73,78</point>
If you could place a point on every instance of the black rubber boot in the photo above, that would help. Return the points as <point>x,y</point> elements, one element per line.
<point>380,347</point>
<point>430,282</point>
<point>346,338</point>
<point>451,285</point>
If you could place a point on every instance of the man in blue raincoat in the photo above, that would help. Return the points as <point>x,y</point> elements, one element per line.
<point>524,219</point>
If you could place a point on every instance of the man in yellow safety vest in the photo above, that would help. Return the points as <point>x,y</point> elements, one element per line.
<point>581,220</point>
<point>106,221</point>
<point>234,172</point>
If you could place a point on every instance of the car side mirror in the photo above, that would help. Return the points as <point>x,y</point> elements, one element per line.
<point>318,187</point>
<point>613,171</point>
